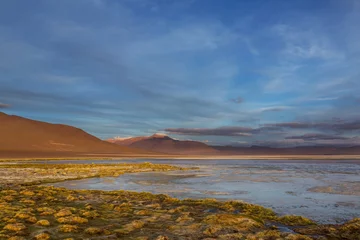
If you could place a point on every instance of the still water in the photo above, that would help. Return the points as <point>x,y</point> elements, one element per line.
<point>327,191</point>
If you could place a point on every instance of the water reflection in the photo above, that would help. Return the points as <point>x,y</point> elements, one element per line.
<point>326,191</point>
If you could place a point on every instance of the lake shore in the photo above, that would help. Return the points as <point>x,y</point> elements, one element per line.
<point>15,157</point>
<point>30,210</point>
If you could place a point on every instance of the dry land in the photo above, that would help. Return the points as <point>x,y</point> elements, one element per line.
<point>31,210</point>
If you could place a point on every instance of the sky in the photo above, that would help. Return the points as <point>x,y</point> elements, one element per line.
<point>226,72</point>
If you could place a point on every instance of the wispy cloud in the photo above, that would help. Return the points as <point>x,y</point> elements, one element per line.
<point>3,105</point>
<point>273,109</point>
<point>187,38</point>
<point>237,100</point>
<point>330,125</point>
<point>306,43</point>
<point>317,136</point>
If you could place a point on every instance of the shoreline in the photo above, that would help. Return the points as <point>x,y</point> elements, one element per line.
<point>181,157</point>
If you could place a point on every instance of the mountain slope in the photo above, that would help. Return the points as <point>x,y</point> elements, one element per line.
<point>164,144</point>
<point>19,134</point>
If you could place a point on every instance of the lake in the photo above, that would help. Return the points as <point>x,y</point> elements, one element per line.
<point>327,191</point>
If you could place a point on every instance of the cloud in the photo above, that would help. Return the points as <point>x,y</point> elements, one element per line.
<point>237,100</point>
<point>4,105</point>
<point>316,139</point>
<point>273,109</point>
<point>306,43</point>
<point>299,142</point>
<point>333,126</point>
<point>295,125</point>
<point>189,37</point>
<point>61,79</point>
<point>221,131</point>
<point>317,136</point>
<point>283,77</point>
<point>284,134</point>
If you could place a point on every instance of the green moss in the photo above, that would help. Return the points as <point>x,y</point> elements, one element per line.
<point>42,236</point>
<point>15,227</point>
<point>43,222</point>
<point>72,220</point>
<point>66,228</point>
<point>93,231</point>
<point>292,220</point>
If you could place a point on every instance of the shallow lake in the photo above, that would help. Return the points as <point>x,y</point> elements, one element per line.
<point>327,191</point>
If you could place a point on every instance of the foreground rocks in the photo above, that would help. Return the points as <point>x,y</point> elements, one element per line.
<point>45,212</point>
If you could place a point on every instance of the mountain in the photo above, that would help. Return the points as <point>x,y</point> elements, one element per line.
<point>25,137</point>
<point>303,150</point>
<point>22,137</point>
<point>164,144</point>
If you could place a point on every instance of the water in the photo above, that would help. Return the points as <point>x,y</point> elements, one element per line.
<point>327,191</point>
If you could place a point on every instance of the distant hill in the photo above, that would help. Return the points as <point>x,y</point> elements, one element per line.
<point>34,138</point>
<point>22,137</point>
<point>303,150</point>
<point>165,144</point>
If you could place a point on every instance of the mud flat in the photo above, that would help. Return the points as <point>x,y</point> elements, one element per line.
<point>33,211</point>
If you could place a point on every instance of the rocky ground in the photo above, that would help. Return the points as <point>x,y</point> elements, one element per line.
<point>31,211</point>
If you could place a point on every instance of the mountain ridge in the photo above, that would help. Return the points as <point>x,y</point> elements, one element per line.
<point>164,144</point>
<point>19,134</point>
<point>28,138</point>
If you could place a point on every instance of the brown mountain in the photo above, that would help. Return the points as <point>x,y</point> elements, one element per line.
<point>164,144</point>
<point>25,137</point>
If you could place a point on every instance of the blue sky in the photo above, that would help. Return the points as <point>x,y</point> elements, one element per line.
<point>279,73</point>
